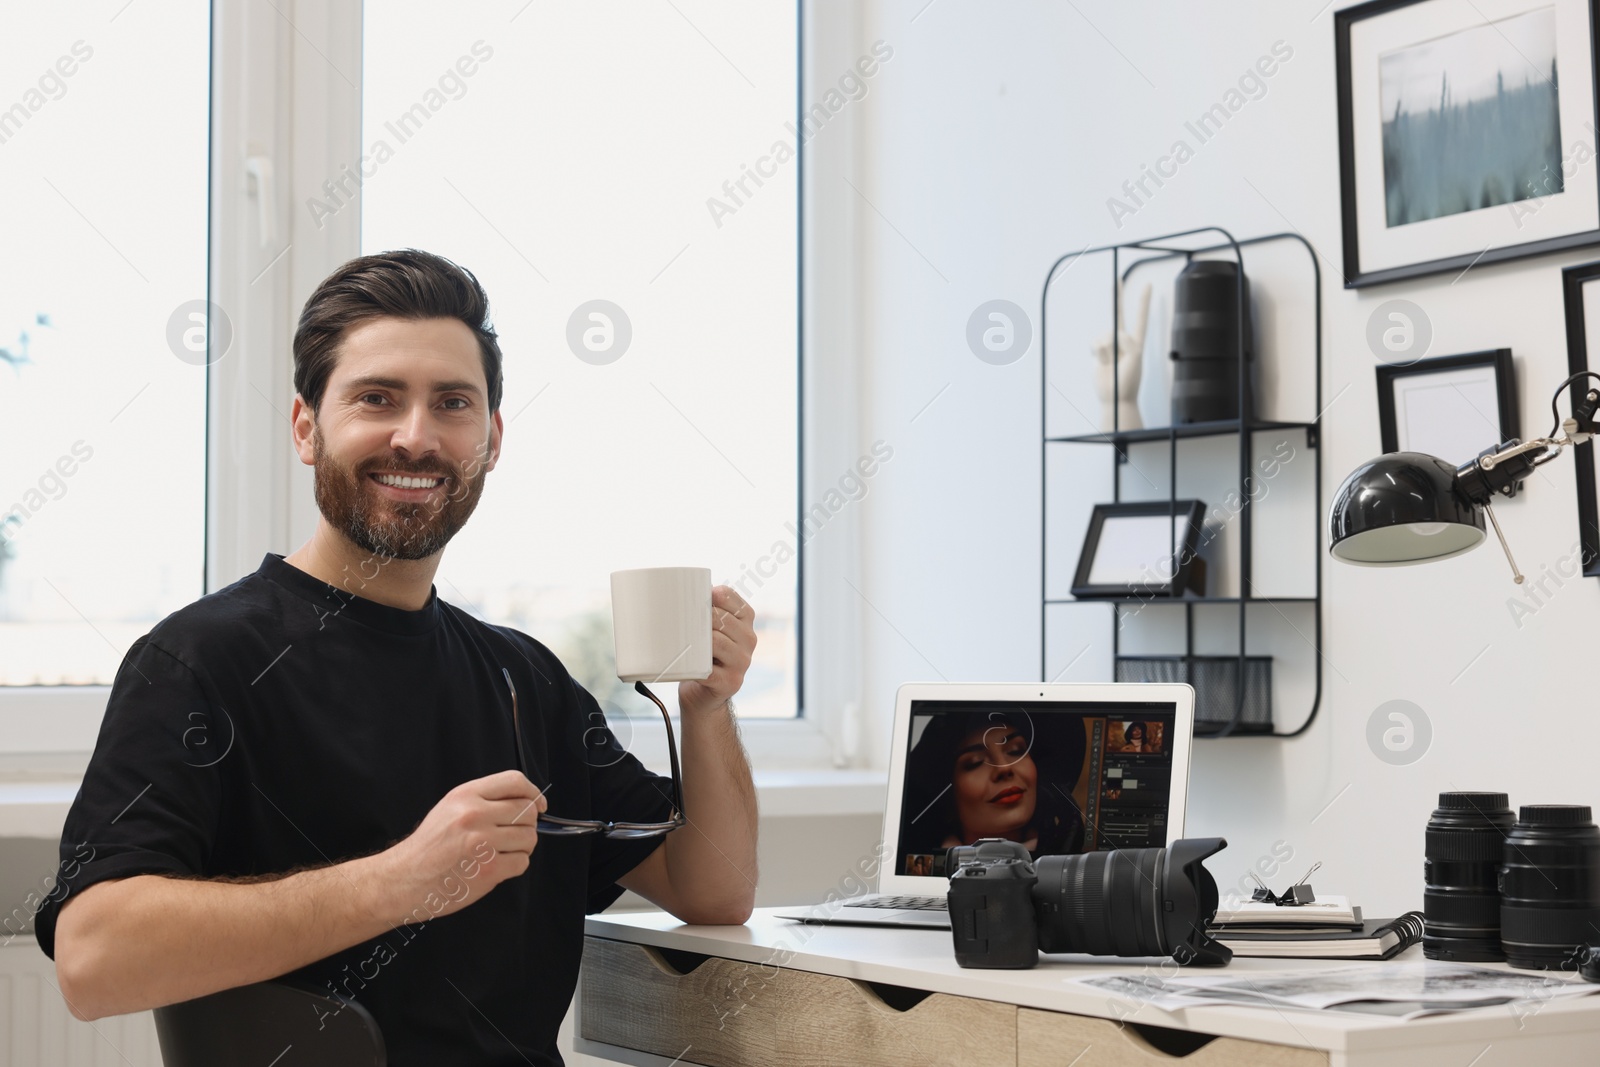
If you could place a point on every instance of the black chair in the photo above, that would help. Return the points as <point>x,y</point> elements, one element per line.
<point>269,1023</point>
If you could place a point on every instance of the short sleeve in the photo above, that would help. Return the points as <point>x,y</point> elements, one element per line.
<point>620,788</point>
<point>151,794</point>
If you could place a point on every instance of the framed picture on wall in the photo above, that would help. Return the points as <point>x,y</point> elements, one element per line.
<point>1144,549</point>
<point>1581,294</point>
<point>1452,407</point>
<point>1467,133</point>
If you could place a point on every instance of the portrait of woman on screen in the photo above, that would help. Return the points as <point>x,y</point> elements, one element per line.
<point>994,774</point>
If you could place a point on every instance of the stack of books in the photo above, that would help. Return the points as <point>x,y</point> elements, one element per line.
<point>1328,928</point>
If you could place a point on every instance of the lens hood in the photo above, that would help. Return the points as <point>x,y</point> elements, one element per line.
<point>1189,903</point>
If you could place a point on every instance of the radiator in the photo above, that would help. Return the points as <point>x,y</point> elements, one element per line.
<point>37,1030</point>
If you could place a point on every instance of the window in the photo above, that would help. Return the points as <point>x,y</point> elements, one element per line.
<point>103,169</point>
<point>611,173</point>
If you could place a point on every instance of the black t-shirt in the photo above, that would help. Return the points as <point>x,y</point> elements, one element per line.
<point>283,723</point>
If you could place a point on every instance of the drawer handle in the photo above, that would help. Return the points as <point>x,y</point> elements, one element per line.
<point>1165,1039</point>
<point>676,960</point>
<point>898,997</point>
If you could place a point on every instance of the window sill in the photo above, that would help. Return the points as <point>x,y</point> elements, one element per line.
<point>38,808</point>
<point>35,808</point>
<point>784,794</point>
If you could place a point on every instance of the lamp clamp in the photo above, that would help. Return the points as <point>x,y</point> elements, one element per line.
<point>1503,468</point>
<point>1584,407</point>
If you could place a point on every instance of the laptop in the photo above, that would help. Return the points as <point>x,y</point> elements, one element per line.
<point>1064,769</point>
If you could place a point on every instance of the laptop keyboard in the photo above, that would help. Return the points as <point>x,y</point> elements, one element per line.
<point>902,903</point>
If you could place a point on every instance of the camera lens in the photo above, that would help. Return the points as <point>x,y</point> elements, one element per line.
<point>1130,902</point>
<point>1550,885</point>
<point>1465,843</point>
<point>1205,341</point>
<point>1101,903</point>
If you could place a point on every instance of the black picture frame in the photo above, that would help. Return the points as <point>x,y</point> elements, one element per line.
<point>1189,512</point>
<point>1573,279</point>
<point>1505,378</point>
<point>1356,275</point>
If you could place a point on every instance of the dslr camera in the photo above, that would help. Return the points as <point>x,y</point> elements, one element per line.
<point>1006,908</point>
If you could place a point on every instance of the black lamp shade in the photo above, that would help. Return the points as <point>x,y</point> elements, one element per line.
<point>1402,508</point>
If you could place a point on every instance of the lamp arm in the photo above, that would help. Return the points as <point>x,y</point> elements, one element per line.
<point>1500,470</point>
<point>1492,458</point>
<point>1555,450</point>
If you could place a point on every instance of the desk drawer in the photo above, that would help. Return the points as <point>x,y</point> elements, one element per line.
<point>1054,1039</point>
<point>827,1021</point>
<point>723,1013</point>
<point>717,1013</point>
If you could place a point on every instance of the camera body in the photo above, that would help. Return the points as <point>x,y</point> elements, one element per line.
<point>1005,908</point>
<point>991,905</point>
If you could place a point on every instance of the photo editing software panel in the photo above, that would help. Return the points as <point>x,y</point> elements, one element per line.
<point>1060,778</point>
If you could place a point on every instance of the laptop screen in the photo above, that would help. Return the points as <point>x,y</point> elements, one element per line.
<point>1060,778</point>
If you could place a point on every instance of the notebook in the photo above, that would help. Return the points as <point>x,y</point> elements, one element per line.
<point>1378,939</point>
<point>1064,768</point>
<point>1324,911</point>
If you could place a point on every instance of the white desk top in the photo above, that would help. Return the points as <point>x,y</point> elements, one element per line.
<point>924,959</point>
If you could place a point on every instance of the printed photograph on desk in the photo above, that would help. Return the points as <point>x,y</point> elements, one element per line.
<point>1397,990</point>
<point>1057,782</point>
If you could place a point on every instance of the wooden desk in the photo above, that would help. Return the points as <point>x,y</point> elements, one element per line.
<point>774,993</point>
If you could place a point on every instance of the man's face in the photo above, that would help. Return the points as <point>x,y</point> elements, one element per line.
<point>406,399</point>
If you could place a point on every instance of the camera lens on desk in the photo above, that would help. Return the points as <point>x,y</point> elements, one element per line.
<point>1465,844</point>
<point>1550,886</point>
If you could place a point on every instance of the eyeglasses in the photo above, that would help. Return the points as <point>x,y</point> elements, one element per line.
<point>552,824</point>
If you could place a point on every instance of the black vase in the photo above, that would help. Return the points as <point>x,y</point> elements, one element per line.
<point>1206,328</point>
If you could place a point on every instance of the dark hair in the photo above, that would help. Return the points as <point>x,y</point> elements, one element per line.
<point>1144,731</point>
<point>406,284</point>
<point>929,812</point>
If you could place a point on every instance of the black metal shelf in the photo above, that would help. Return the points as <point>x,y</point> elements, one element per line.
<point>1152,250</point>
<point>1222,428</point>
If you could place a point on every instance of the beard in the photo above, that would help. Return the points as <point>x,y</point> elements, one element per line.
<point>398,529</point>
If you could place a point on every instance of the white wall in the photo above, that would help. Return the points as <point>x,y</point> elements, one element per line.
<point>993,139</point>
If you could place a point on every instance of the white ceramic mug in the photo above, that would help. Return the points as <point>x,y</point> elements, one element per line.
<point>662,620</point>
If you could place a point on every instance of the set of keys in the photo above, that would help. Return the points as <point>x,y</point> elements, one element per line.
<point>1299,893</point>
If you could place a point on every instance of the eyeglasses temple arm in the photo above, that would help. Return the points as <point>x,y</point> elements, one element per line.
<point>516,723</point>
<point>672,747</point>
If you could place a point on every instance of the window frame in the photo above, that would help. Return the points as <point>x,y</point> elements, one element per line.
<point>285,113</point>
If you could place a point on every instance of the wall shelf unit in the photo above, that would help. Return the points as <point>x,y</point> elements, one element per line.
<point>1236,690</point>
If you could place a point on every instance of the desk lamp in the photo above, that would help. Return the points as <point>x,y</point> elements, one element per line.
<point>1410,507</point>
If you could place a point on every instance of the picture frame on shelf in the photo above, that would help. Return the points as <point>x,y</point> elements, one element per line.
<point>1452,407</point>
<point>1141,549</point>
<point>1580,285</point>
<point>1463,129</point>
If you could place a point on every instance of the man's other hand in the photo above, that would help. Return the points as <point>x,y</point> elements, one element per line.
<point>733,642</point>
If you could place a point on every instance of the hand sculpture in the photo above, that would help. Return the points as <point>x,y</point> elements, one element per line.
<point>1129,360</point>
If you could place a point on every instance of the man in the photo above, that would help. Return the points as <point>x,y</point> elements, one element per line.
<point>312,772</point>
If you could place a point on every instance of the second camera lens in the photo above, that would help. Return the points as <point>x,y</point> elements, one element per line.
<point>1550,886</point>
<point>1465,844</point>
